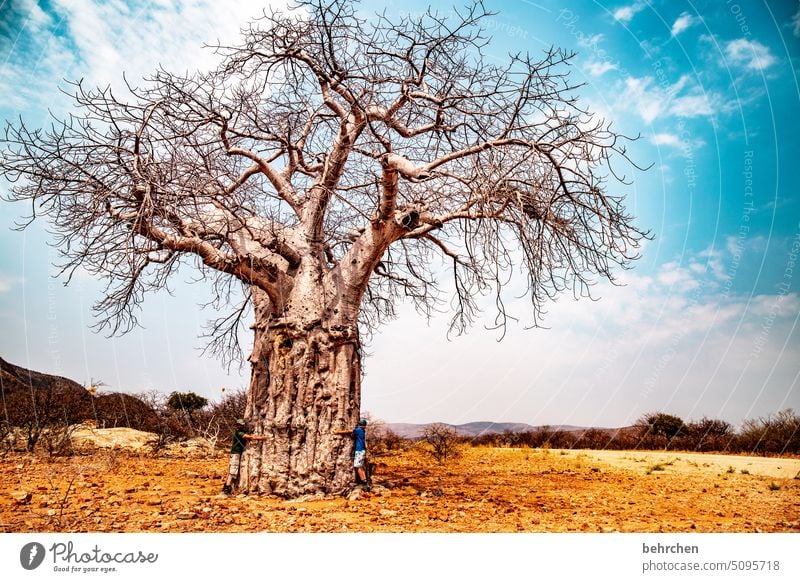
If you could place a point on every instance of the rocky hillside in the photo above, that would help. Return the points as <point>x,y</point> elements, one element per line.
<point>29,396</point>
<point>14,379</point>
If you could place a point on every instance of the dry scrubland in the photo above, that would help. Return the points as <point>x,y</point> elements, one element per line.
<point>485,490</point>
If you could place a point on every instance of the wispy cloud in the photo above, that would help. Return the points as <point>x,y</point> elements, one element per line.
<point>36,17</point>
<point>99,41</point>
<point>597,69</point>
<point>673,141</point>
<point>692,106</point>
<point>8,281</point>
<point>796,22</point>
<point>592,41</point>
<point>666,139</point>
<point>684,21</point>
<point>625,14</point>
<point>749,53</point>
<point>666,341</point>
<point>653,101</point>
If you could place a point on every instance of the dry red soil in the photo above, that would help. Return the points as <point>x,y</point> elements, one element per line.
<point>485,490</point>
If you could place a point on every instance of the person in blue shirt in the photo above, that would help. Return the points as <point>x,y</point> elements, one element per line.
<point>359,435</point>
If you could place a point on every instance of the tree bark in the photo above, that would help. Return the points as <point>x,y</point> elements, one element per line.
<point>305,384</point>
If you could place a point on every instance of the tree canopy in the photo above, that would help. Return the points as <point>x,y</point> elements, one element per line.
<point>374,148</point>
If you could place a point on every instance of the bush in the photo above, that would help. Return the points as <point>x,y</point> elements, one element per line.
<point>779,433</point>
<point>117,409</point>
<point>443,442</point>
<point>57,439</point>
<point>36,409</point>
<point>187,403</point>
<point>708,434</point>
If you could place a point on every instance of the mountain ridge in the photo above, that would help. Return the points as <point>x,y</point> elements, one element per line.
<point>477,428</point>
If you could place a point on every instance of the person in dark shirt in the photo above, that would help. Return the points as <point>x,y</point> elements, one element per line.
<point>359,435</point>
<point>240,439</point>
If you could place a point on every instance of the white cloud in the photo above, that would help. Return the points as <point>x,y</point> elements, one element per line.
<point>113,37</point>
<point>670,342</point>
<point>796,22</point>
<point>7,282</point>
<point>666,139</point>
<point>625,14</point>
<point>590,41</point>
<point>691,106</point>
<point>670,140</point>
<point>652,101</point>
<point>684,21</point>
<point>36,17</point>
<point>104,39</point>
<point>599,68</point>
<point>749,53</point>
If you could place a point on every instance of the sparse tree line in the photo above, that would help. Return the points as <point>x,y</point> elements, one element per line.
<point>44,419</point>
<point>773,434</point>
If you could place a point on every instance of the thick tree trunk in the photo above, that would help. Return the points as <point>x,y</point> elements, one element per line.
<point>306,383</point>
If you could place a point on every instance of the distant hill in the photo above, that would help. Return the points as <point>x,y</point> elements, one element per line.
<point>29,395</point>
<point>15,378</point>
<point>473,429</point>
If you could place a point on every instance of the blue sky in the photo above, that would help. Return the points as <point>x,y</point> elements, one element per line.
<point>705,325</point>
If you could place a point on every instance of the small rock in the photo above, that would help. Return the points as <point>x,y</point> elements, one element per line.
<point>354,495</point>
<point>153,502</point>
<point>130,490</point>
<point>186,515</point>
<point>609,530</point>
<point>21,497</point>
<point>51,512</point>
<point>192,475</point>
<point>388,512</point>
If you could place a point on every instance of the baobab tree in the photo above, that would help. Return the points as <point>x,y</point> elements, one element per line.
<point>322,167</point>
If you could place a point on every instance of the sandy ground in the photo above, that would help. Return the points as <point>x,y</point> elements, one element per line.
<point>695,463</point>
<point>486,490</point>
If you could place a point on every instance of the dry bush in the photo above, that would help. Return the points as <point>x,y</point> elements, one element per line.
<point>778,433</point>
<point>592,439</point>
<point>57,439</point>
<point>706,435</point>
<point>125,410</point>
<point>383,440</point>
<point>37,409</point>
<point>7,438</point>
<point>443,442</point>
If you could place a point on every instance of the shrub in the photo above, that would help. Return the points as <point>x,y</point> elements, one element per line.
<point>779,433</point>
<point>443,442</point>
